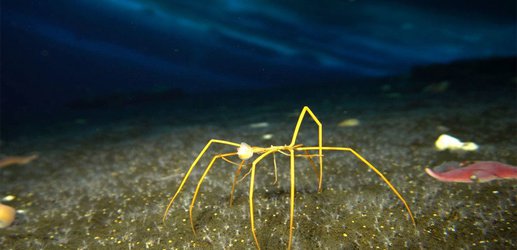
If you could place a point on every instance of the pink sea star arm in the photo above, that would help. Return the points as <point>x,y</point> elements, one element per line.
<point>480,171</point>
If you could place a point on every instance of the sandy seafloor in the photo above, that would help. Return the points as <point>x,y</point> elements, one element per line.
<point>103,183</point>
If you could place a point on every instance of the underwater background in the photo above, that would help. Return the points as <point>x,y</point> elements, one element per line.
<point>116,98</point>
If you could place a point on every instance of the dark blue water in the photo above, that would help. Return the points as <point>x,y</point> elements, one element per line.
<point>59,52</point>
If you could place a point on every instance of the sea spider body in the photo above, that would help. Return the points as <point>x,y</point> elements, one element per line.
<point>245,152</point>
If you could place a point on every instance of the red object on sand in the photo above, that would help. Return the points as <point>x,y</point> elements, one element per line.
<point>479,171</point>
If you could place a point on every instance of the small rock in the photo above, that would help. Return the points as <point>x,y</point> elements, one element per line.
<point>259,125</point>
<point>447,142</point>
<point>267,137</point>
<point>349,123</point>
<point>9,198</point>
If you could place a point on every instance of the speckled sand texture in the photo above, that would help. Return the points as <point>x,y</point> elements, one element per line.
<point>106,185</point>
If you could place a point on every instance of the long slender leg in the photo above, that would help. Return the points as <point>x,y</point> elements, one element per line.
<point>306,156</point>
<point>229,161</point>
<point>284,153</point>
<point>274,164</point>
<point>291,209</point>
<point>199,186</point>
<point>191,168</point>
<point>320,139</point>
<point>236,175</point>
<point>244,176</point>
<point>313,165</point>
<point>252,184</point>
<point>238,165</point>
<point>235,178</point>
<point>372,168</point>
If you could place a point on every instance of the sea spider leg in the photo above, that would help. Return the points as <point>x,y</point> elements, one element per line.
<point>192,167</point>
<point>252,184</point>
<point>311,161</point>
<point>306,156</point>
<point>235,179</point>
<point>372,168</point>
<point>320,140</point>
<point>313,165</point>
<point>236,175</point>
<point>274,164</point>
<point>229,161</point>
<point>291,204</point>
<point>199,185</point>
<point>244,176</point>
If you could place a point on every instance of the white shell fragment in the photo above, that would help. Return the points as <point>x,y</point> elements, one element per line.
<point>245,151</point>
<point>447,142</point>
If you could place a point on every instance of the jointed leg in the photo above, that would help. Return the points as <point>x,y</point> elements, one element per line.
<point>231,162</point>
<point>372,168</point>
<point>291,199</point>
<point>313,165</point>
<point>236,175</point>
<point>199,185</point>
<point>191,168</point>
<point>235,178</point>
<point>320,140</point>
<point>252,184</point>
<point>276,173</point>
<point>237,172</point>
<point>306,155</point>
<point>244,176</point>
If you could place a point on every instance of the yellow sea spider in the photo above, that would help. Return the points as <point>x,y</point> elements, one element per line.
<point>245,152</point>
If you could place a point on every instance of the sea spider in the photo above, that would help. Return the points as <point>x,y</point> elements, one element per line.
<point>245,152</point>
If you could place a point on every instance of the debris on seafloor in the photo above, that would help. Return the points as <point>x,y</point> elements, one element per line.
<point>438,87</point>
<point>16,160</point>
<point>349,123</point>
<point>477,171</point>
<point>9,198</point>
<point>447,142</point>
<point>7,215</point>
<point>267,136</point>
<point>259,125</point>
